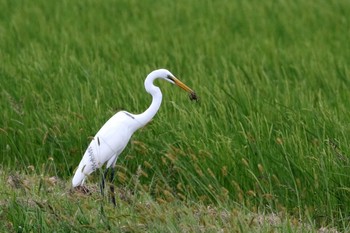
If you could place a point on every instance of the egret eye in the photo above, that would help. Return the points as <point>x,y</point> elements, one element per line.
<point>170,78</point>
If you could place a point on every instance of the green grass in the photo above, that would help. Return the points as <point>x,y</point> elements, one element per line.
<point>269,135</point>
<point>43,204</point>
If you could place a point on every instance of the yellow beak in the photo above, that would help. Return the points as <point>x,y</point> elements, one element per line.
<point>193,95</point>
<point>182,85</point>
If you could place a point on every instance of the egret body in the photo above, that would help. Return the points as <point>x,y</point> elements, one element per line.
<point>113,137</point>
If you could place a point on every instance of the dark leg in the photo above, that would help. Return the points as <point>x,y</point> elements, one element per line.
<point>112,187</point>
<point>112,175</point>
<point>102,186</point>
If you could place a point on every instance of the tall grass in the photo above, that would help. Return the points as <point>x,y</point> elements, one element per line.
<point>271,129</point>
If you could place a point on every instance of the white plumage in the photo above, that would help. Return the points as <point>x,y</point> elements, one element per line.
<point>113,137</point>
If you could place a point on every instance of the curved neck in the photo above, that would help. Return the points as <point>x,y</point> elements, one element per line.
<point>147,115</point>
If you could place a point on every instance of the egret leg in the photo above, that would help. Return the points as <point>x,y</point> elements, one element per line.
<point>112,175</point>
<point>102,186</point>
<point>112,187</point>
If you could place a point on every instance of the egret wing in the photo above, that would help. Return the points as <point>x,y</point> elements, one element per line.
<point>107,144</point>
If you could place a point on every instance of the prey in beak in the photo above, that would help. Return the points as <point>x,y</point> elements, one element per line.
<point>192,94</point>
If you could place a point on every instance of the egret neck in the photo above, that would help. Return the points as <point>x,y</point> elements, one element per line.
<point>147,115</point>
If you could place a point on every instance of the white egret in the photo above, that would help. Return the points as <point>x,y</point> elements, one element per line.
<point>112,138</point>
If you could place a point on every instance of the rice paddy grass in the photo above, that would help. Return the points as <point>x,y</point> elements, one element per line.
<point>269,136</point>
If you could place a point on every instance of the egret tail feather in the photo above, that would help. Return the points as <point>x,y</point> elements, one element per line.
<point>78,179</point>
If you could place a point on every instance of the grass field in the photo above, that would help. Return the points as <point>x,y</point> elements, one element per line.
<point>267,147</point>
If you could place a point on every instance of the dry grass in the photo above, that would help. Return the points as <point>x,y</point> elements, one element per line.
<point>41,203</point>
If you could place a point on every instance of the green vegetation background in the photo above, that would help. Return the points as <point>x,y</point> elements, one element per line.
<point>271,131</point>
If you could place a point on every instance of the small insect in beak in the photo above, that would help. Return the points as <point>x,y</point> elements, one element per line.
<point>193,96</point>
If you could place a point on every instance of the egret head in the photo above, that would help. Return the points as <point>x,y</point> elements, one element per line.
<point>168,76</point>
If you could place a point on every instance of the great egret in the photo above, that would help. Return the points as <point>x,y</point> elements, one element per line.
<point>115,134</point>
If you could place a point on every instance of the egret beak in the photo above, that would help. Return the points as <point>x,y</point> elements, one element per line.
<point>192,94</point>
<point>182,85</point>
